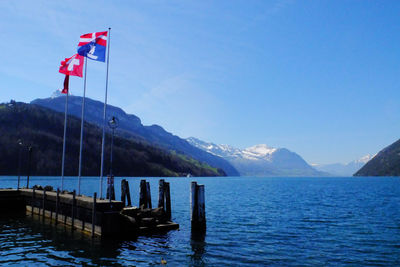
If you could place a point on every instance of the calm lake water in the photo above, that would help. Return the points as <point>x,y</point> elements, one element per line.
<point>250,222</point>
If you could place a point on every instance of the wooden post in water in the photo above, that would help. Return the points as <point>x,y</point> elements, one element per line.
<point>198,211</point>
<point>148,195</point>
<point>94,213</point>
<point>73,209</point>
<point>123,192</point>
<point>161,194</point>
<point>57,203</point>
<point>167,201</point>
<point>128,193</point>
<point>143,194</point>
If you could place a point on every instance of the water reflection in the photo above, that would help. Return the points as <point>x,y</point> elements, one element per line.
<point>198,245</point>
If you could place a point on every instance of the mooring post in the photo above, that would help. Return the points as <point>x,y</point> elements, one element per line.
<point>29,165</point>
<point>43,204</point>
<point>57,203</point>
<point>143,194</point>
<point>73,209</point>
<point>148,195</point>
<point>198,212</point>
<point>161,194</point>
<point>123,192</point>
<point>128,193</point>
<point>110,187</point>
<point>33,200</point>
<point>167,201</point>
<point>94,213</point>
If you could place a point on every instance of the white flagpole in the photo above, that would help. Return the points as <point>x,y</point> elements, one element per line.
<point>104,116</point>
<point>82,124</point>
<point>64,140</point>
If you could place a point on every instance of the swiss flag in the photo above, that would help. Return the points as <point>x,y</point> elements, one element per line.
<point>72,66</point>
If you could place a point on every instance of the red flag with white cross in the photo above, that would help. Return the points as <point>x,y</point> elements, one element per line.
<point>72,66</point>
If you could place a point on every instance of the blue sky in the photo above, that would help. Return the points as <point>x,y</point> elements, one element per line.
<point>320,78</point>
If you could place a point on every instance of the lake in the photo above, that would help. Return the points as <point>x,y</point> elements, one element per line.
<point>250,222</point>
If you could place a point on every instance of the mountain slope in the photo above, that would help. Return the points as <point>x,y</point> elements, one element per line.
<point>131,127</point>
<point>260,160</point>
<point>339,169</point>
<point>43,129</point>
<point>385,163</point>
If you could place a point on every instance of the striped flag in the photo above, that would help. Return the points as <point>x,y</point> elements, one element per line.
<point>93,45</point>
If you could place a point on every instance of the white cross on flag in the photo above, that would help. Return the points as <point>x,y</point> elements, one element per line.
<point>72,66</point>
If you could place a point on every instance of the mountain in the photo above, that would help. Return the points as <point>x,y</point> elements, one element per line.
<point>385,163</point>
<point>260,160</point>
<point>340,169</point>
<point>42,128</point>
<point>130,127</point>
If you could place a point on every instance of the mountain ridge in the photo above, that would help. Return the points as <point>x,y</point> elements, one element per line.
<point>131,127</point>
<point>340,169</point>
<point>260,160</point>
<point>385,163</point>
<point>42,128</point>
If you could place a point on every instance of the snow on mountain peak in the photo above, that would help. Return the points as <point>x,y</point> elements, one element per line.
<point>261,149</point>
<point>57,93</point>
<point>365,159</point>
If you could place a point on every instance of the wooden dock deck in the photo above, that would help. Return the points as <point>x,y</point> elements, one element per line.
<point>93,216</point>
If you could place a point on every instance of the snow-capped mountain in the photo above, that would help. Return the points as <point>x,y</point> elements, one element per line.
<point>259,160</point>
<point>340,169</point>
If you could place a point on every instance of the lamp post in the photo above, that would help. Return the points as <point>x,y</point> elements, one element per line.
<point>20,144</point>
<point>113,124</point>
<point>29,165</point>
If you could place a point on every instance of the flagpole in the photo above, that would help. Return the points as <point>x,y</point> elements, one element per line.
<point>82,124</point>
<point>64,141</point>
<point>104,116</point>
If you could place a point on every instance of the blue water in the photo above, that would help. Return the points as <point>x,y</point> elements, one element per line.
<point>250,222</point>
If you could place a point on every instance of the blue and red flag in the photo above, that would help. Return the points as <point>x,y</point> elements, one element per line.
<point>93,45</point>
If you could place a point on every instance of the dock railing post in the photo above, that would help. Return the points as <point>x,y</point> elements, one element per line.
<point>94,213</point>
<point>57,203</point>
<point>198,212</point>
<point>33,200</point>
<point>73,210</point>
<point>43,204</point>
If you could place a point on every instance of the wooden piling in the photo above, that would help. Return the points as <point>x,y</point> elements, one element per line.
<point>110,188</point>
<point>148,195</point>
<point>161,194</point>
<point>198,212</point>
<point>57,204</point>
<point>94,213</point>
<point>73,209</point>
<point>128,193</point>
<point>167,201</point>
<point>143,194</point>
<point>123,191</point>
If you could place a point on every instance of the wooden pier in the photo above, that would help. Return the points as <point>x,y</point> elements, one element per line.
<point>93,216</point>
